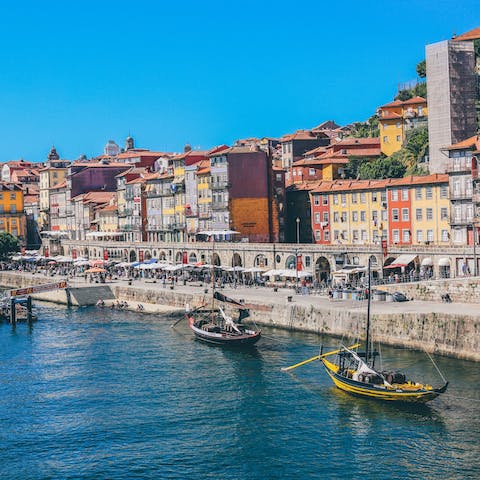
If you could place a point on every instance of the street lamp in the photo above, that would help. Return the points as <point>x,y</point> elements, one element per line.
<point>475,267</point>
<point>296,253</point>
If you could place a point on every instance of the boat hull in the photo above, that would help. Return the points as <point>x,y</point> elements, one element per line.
<point>225,338</point>
<point>382,393</point>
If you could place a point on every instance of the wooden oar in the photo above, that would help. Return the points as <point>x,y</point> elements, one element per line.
<point>316,357</point>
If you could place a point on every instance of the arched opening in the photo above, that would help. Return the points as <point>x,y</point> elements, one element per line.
<point>260,261</point>
<point>162,256</point>
<point>147,255</point>
<point>322,269</point>
<point>373,261</point>
<point>192,258</point>
<point>236,260</point>
<point>179,257</point>
<point>216,260</point>
<point>290,263</point>
<point>85,252</point>
<point>125,255</point>
<point>444,268</point>
<point>133,256</point>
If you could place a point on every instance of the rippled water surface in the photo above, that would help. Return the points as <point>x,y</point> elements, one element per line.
<point>95,394</point>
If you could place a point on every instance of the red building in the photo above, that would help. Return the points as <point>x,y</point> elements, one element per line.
<point>399,212</point>
<point>320,204</point>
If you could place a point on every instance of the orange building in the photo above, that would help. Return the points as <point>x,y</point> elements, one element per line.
<point>12,215</point>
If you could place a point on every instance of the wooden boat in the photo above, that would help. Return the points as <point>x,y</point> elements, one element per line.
<point>213,325</point>
<point>354,372</point>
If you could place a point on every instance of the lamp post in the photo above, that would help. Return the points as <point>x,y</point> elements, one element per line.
<point>296,253</point>
<point>475,267</point>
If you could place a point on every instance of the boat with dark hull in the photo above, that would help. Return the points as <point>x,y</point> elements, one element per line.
<point>354,372</point>
<point>213,325</point>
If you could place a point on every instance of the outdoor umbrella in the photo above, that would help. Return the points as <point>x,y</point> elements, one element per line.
<point>95,270</point>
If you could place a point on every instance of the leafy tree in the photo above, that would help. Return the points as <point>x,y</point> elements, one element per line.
<point>404,95</point>
<point>366,129</point>
<point>422,69</point>
<point>382,168</point>
<point>353,166</point>
<point>8,244</point>
<point>417,142</point>
<point>420,90</point>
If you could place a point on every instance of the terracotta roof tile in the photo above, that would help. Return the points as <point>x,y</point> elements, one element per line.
<point>470,35</point>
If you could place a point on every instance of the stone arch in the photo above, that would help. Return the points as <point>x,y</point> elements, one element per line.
<point>179,257</point>
<point>85,252</point>
<point>132,256</point>
<point>290,262</point>
<point>236,260</point>
<point>322,269</point>
<point>373,261</point>
<point>162,255</point>
<point>260,261</point>
<point>147,255</point>
<point>192,258</point>
<point>216,260</point>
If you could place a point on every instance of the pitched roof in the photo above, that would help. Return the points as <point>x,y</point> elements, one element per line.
<point>470,142</point>
<point>470,35</point>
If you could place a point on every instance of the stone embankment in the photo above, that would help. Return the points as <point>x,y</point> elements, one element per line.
<point>448,329</point>
<point>460,290</point>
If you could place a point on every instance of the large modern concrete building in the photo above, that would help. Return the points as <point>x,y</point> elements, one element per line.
<point>452,95</point>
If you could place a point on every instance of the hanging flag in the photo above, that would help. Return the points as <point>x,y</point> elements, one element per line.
<point>184,258</point>
<point>105,254</point>
<point>299,262</point>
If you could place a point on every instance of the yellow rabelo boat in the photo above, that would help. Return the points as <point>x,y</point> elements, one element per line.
<point>355,373</point>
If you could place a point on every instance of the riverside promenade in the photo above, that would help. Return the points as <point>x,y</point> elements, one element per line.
<point>451,329</point>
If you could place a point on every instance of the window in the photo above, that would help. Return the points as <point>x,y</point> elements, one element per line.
<point>326,235</point>
<point>399,138</point>
<point>335,234</point>
<point>399,125</point>
<point>344,199</point>
<point>419,236</point>
<point>344,235</point>
<point>444,191</point>
<point>375,236</point>
<point>363,216</point>
<point>318,235</point>
<point>355,235</point>
<point>335,216</point>
<point>405,214</point>
<point>429,235</point>
<point>363,197</point>
<point>383,197</point>
<point>308,260</point>
<point>364,236</point>
<point>385,215</point>
<point>429,193</point>
<point>418,193</point>
<point>335,199</point>
<point>429,213</point>
<point>385,139</point>
<point>325,217</point>
<point>374,196</point>
<point>354,198</point>
<point>396,236</point>
<point>12,196</point>
<point>343,217</point>
<point>445,236</point>
<point>419,214</point>
<point>394,195</point>
<point>316,199</point>
<point>354,216</point>
<point>317,217</point>
<point>406,236</point>
<point>404,193</point>
<point>443,213</point>
<point>13,209</point>
<point>311,172</point>
<point>325,199</point>
<point>395,216</point>
<point>278,176</point>
<point>375,217</point>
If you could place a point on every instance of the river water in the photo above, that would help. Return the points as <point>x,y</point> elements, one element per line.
<point>96,394</point>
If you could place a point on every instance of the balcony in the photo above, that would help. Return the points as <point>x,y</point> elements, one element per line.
<point>476,197</point>
<point>219,185</point>
<point>460,165</point>
<point>461,195</point>
<point>461,220</point>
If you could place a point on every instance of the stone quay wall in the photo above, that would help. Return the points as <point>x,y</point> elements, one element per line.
<point>460,290</point>
<point>445,334</point>
<point>451,334</point>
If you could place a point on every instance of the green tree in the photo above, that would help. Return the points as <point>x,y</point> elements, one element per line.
<point>366,129</point>
<point>382,168</point>
<point>8,244</point>
<point>422,69</point>
<point>420,90</point>
<point>404,95</point>
<point>353,166</point>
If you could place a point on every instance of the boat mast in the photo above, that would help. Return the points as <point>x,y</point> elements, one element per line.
<point>213,277</point>
<point>368,313</point>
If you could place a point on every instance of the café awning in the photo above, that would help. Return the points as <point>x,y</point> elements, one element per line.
<point>402,261</point>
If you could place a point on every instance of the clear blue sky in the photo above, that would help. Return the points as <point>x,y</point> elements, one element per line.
<point>203,72</point>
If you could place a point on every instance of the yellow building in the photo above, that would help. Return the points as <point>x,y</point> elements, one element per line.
<point>396,118</point>
<point>12,216</point>
<point>430,210</point>
<point>48,177</point>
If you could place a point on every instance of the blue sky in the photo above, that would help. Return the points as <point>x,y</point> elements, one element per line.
<point>76,74</point>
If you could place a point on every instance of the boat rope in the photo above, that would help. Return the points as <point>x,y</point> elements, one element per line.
<point>435,365</point>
